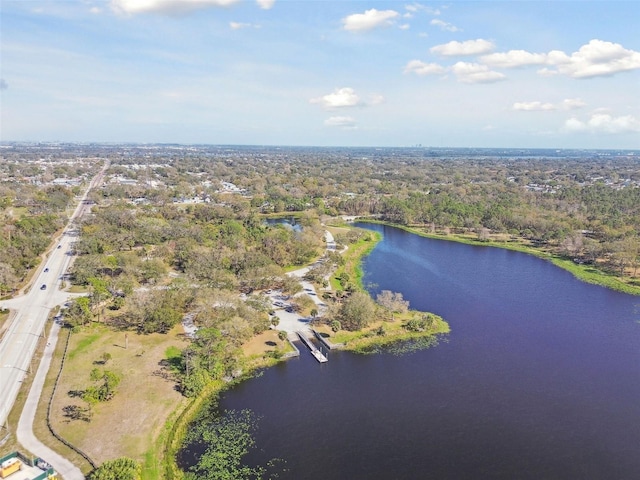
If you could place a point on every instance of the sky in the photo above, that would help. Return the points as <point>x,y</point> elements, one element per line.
<point>515,74</point>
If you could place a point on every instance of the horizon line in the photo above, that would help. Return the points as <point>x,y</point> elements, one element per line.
<point>257,145</point>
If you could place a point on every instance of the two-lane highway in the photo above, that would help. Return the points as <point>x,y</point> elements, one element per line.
<point>32,310</point>
<point>19,344</point>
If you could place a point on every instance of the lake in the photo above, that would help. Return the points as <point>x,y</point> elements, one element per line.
<point>288,222</point>
<point>539,378</point>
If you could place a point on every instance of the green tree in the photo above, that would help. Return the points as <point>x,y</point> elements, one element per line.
<point>78,312</point>
<point>99,293</point>
<point>357,311</point>
<point>194,382</point>
<point>420,323</point>
<point>153,269</point>
<point>8,278</point>
<point>119,469</point>
<point>161,319</point>
<point>104,388</point>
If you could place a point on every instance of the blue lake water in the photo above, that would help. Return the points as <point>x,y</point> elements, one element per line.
<point>539,379</point>
<point>288,222</point>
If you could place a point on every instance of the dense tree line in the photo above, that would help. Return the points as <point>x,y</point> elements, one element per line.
<point>587,202</point>
<point>214,253</point>
<point>22,241</point>
<point>32,209</point>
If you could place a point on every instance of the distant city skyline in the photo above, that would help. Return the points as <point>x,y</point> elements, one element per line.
<point>482,74</point>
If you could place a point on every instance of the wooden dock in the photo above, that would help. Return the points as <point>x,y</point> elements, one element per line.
<point>314,350</point>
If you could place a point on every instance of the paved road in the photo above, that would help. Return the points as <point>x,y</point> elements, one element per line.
<point>30,311</point>
<point>291,322</point>
<point>25,434</point>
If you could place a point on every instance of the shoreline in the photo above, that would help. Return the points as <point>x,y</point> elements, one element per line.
<point>594,276</point>
<point>364,341</point>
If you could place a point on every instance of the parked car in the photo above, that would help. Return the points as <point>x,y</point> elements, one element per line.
<point>43,287</point>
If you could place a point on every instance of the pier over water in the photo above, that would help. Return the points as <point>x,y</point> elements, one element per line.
<point>314,350</point>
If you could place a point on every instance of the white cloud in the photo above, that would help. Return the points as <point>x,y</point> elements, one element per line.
<point>444,25</point>
<point>573,103</point>
<point>339,98</point>
<point>404,26</point>
<point>421,68</point>
<point>266,4</point>
<point>418,7</point>
<point>538,106</point>
<point>604,123</point>
<point>575,125</point>
<point>132,7</point>
<point>346,97</point>
<point>475,73</point>
<point>533,106</point>
<point>465,72</point>
<point>241,25</point>
<point>514,58</point>
<point>468,47</point>
<point>595,59</point>
<point>370,19</point>
<point>344,122</point>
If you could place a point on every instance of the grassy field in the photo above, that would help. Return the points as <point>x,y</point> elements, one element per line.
<point>40,428</point>
<point>131,423</point>
<point>136,421</point>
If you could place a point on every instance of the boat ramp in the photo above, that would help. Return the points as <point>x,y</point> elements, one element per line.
<point>314,350</point>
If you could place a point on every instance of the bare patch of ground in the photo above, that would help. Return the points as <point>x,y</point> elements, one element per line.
<point>262,344</point>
